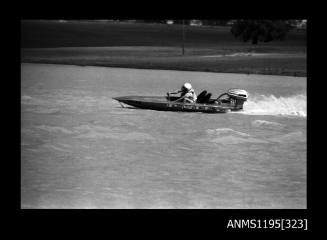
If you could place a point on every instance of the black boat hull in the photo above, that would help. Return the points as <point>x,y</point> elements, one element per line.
<point>163,104</point>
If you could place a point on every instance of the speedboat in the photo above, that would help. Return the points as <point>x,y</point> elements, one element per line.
<point>232,100</point>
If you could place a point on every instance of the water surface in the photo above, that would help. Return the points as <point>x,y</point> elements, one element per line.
<point>81,149</point>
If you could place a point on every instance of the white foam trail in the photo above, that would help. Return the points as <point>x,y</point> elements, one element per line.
<point>230,136</point>
<point>295,105</point>
<point>264,123</point>
<point>54,129</point>
<point>25,99</point>
<point>56,148</point>
<point>226,131</point>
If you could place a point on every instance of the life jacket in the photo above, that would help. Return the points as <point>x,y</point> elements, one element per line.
<point>190,95</point>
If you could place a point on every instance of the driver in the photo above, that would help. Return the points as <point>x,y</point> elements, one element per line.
<point>187,93</point>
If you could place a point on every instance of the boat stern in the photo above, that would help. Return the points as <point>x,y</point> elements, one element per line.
<point>239,96</point>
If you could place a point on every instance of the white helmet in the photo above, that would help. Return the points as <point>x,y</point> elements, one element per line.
<point>187,86</point>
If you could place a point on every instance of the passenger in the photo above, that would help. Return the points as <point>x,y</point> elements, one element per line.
<point>187,94</point>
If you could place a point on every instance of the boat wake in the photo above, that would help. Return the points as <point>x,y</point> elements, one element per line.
<point>229,136</point>
<point>295,105</point>
<point>268,125</point>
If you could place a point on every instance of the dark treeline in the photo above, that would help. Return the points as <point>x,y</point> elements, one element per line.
<point>221,22</point>
<point>188,21</point>
<point>207,22</point>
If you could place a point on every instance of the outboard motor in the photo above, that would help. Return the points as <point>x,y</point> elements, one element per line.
<point>238,96</point>
<point>234,97</point>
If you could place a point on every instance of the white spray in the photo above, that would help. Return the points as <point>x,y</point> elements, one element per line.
<point>295,105</point>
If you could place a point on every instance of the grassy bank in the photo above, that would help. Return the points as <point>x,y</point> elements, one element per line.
<point>157,46</point>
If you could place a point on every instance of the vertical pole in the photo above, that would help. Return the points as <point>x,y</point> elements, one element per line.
<point>183,39</point>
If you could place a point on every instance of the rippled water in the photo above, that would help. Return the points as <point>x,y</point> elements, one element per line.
<point>81,149</point>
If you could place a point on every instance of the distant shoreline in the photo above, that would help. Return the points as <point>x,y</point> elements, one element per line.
<point>170,69</point>
<point>200,60</point>
<point>159,46</point>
